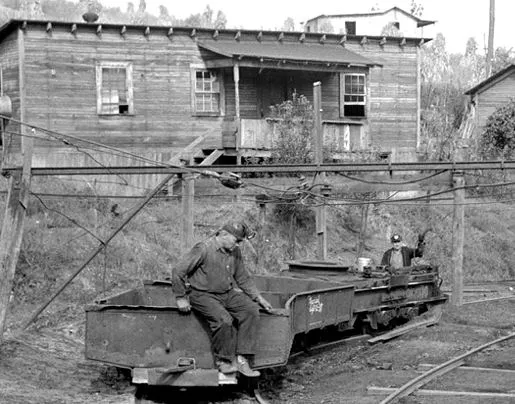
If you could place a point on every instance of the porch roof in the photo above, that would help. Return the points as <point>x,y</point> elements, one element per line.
<point>296,52</point>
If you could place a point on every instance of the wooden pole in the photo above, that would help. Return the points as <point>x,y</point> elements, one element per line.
<point>491,29</point>
<point>318,142</point>
<point>458,233</point>
<point>12,228</point>
<point>363,230</point>
<point>188,191</point>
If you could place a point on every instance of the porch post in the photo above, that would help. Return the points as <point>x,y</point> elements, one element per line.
<point>236,75</point>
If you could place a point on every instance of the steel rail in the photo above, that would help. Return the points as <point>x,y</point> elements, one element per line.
<point>445,367</point>
<point>274,168</point>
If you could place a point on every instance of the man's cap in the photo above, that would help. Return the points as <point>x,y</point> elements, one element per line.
<point>239,230</point>
<point>395,238</point>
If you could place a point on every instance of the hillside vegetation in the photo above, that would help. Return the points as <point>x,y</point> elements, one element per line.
<point>61,232</point>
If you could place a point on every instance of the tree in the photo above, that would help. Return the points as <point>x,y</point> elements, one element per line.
<point>391,29</point>
<point>205,20</point>
<point>288,25</point>
<point>502,58</point>
<point>416,9</point>
<point>326,26</point>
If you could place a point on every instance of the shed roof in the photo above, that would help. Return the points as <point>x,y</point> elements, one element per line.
<point>288,51</point>
<point>492,80</point>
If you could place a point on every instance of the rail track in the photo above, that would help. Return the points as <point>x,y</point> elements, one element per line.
<point>504,390</point>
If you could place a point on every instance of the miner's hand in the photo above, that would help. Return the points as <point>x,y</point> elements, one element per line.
<point>183,304</point>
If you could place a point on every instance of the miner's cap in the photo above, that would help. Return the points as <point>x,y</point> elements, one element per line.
<point>239,230</point>
<point>395,238</point>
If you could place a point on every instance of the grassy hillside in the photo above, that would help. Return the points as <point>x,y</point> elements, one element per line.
<point>56,242</point>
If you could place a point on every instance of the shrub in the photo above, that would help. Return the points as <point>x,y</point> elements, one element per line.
<point>498,138</point>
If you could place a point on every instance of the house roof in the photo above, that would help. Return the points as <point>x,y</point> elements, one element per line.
<point>200,33</point>
<point>287,51</point>
<point>492,80</point>
<point>420,22</point>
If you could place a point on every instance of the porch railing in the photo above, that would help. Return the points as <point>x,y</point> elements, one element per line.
<point>261,134</point>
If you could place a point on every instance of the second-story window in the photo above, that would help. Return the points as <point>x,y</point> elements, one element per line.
<point>350,27</point>
<point>353,95</point>
<point>114,88</point>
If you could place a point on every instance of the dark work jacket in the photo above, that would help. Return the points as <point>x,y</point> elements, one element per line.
<point>212,269</point>
<point>407,255</point>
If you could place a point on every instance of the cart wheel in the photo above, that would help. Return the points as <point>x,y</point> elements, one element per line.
<point>141,395</point>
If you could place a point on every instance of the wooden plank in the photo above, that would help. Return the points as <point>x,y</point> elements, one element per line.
<point>432,319</point>
<point>490,300</point>
<point>442,393</point>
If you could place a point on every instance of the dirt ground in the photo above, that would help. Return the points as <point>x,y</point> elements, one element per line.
<point>46,365</point>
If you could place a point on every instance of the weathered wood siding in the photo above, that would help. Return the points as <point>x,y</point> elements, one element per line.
<point>9,63</point>
<point>492,98</point>
<point>61,94</point>
<point>393,90</point>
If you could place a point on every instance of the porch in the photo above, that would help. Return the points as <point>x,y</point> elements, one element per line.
<point>252,79</point>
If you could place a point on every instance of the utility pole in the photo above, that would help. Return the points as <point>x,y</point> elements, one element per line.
<point>458,235</point>
<point>491,28</point>
<point>12,227</point>
<point>318,142</point>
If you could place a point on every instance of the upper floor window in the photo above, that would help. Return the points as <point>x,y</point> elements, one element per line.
<point>350,27</point>
<point>206,92</point>
<point>353,95</point>
<point>114,88</point>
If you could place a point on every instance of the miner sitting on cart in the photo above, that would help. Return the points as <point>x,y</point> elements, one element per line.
<point>214,269</point>
<point>399,255</point>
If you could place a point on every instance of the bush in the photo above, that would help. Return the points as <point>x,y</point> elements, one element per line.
<point>498,138</point>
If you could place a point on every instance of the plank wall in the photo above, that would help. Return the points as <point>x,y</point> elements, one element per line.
<point>9,64</point>
<point>492,98</point>
<point>60,70</point>
<point>393,95</point>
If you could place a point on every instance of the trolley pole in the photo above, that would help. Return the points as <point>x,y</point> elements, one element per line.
<point>318,143</point>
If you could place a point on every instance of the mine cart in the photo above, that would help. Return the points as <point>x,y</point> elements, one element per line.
<point>143,330</point>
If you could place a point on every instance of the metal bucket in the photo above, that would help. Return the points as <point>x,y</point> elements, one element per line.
<point>363,262</point>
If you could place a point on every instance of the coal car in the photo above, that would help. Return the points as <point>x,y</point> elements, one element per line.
<point>142,329</point>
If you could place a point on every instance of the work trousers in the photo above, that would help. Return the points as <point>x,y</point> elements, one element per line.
<point>232,318</point>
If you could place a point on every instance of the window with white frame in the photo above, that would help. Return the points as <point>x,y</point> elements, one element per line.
<point>114,88</point>
<point>353,95</point>
<point>206,92</point>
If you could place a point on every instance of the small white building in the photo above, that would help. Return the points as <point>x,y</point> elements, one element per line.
<point>373,23</point>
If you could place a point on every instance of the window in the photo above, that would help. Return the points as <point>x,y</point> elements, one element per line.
<point>114,88</point>
<point>353,94</point>
<point>350,27</point>
<point>396,24</point>
<point>207,97</point>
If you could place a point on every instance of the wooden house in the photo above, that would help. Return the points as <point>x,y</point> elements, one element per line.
<point>153,90</point>
<point>487,96</point>
<point>372,23</point>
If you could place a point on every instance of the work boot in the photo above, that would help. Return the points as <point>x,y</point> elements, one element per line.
<point>226,367</point>
<point>244,367</point>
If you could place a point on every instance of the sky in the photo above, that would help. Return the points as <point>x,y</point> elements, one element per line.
<point>457,20</point>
